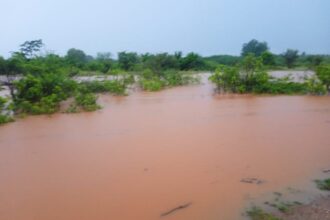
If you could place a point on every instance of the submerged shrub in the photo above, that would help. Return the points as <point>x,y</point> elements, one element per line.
<point>258,214</point>
<point>323,184</point>
<point>5,117</point>
<point>117,86</point>
<point>87,101</point>
<point>152,84</point>
<point>42,94</point>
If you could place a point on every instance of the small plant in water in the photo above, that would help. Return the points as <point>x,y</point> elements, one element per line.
<point>323,184</point>
<point>256,213</point>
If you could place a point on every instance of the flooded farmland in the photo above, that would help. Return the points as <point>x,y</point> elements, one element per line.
<point>181,153</point>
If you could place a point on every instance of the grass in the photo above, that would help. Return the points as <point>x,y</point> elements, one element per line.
<point>256,213</point>
<point>323,184</point>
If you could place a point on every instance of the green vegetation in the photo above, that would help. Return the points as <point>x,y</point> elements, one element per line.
<point>254,47</point>
<point>323,73</point>
<point>284,207</point>
<point>250,76</point>
<point>323,184</point>
<point>4,108</point>
<point>38,83</point>
<point>258,214</point>
<point>155,81</point>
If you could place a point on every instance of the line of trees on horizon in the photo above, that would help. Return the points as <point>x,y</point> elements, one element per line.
<point>45,80</point>
<point>78,61</point>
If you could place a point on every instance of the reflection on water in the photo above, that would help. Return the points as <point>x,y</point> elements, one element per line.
<point>149,153</point>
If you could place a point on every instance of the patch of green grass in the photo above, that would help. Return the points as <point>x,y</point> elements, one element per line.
<point>256,213</point>
<point>323,184</point>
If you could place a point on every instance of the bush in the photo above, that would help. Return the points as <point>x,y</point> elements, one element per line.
<point>152,84</point>
<point>258,214</point>
<point>175,78</point>
<point>87,101</point>
<point>42,94</point>
<point>4,108</point>
<point>323,73</point>
<point>112,86</point>
<point>323,184</point>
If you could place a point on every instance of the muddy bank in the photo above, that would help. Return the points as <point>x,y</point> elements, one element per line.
<point>149,153</point>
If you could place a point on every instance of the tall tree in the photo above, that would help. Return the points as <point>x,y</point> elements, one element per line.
<point>127,60</point>
<point>76,57</point>
<point>30,48</point>
<point>255,47</point>
<point>290,57</point>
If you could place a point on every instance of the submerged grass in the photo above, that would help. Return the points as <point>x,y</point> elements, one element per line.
<point>256,213</point>
<point>323,184</point>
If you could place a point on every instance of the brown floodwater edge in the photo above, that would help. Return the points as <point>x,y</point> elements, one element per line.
<point>181,153</point>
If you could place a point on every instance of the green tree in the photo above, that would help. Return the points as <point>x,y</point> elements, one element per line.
<point>161,62</point>
<point>76,57</point>
<point>192,61</point>
<point>226,78</point>
<point>290,57</point>
<point>268,58</point>
<point>255,47</point>
<point>30,48</point>
<point>323,73</point>
<point>127,60</point>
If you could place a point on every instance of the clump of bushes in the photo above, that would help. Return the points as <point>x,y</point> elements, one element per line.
<point>87,101</point>
<point>42,94</point>
<point>117,86</point>
<point>251,77</point>
<point>151,81</point>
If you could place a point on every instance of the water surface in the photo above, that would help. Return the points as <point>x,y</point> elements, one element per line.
<point>145,154</point>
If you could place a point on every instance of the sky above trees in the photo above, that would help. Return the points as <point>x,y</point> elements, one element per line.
<point>204,26</point>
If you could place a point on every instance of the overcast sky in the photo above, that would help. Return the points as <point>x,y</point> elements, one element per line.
<point>203,26</point>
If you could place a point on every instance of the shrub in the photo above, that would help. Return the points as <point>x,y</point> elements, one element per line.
<point>323,73</point>
<point>152,84</point>
<point>42,94</point>
<point>87,101</point>
<point>4,115</point>
<point>258,214</point>
<point>323,184</point>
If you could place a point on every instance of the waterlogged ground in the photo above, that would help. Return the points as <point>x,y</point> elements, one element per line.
<point>148,153</point>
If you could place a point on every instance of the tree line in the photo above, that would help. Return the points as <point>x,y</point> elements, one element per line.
<point>39,82</point>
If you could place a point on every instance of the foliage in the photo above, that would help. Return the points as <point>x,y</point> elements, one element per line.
<point>117,86</point>
<point>227,60</point>
<point>76,57</point>
<point>160,62</point>
<point>258,214</point>
<point>152,85</point>
<point>268,59</point>
<point>192,61</point>
<point>127,60</point>
<point>30,48</point>
<point>42,94</point>
<point>4,114</point>
<point>87,101</point>
<point>323,73</point>
<point>323,184</point>
<point>251,77</point>
<point>255,47</point>
<point>226,78</point>
<point>315,87</point>
<point>290,57</point>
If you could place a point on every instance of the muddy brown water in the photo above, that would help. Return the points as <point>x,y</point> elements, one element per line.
<point>148,153</point>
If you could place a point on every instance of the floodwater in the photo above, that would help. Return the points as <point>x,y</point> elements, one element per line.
<point>145,154</point>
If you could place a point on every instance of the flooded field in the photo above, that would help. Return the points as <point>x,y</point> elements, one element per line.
<point>144,155</point>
